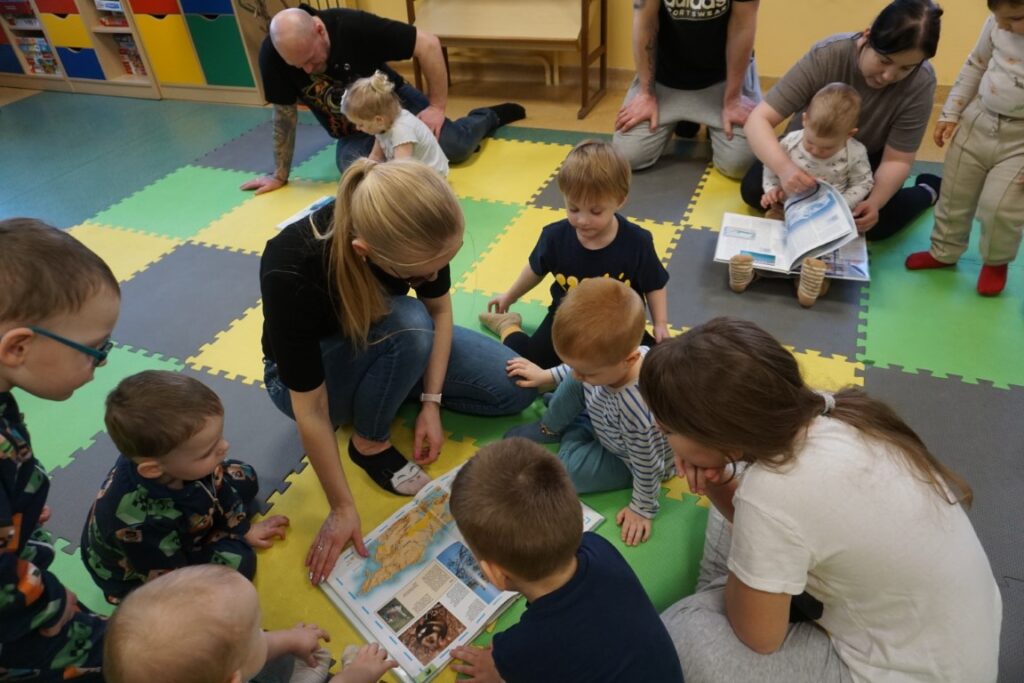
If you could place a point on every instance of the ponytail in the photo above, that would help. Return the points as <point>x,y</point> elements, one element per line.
<point>371,97</point>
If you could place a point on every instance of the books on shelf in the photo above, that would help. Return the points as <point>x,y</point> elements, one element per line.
<point>420,593</point>
<point>128,53</point>
<point>818,224</point>
<point>38,54</point>
<point>109,5</point>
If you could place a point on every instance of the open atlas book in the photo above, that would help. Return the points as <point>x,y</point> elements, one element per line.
<point>818,224</point>
<point>420,593</point>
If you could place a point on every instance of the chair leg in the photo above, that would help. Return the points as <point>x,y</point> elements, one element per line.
<point>447,65</point>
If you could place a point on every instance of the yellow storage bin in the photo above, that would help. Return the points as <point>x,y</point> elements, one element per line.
<point>167,42</point>
<point>66,31</point>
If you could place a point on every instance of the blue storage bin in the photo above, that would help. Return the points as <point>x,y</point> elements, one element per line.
<point>9,60</point>
<point>207,7</point>
<point>80,63</point>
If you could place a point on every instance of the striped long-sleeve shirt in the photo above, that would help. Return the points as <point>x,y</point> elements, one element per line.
<point>624,425</point>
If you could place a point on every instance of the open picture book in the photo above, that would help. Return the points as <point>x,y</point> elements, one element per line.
<point>420,593</point>
<point>818,224</point>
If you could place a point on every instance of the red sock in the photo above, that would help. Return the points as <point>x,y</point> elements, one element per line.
<point>921,260</point>
<point>992,279</point>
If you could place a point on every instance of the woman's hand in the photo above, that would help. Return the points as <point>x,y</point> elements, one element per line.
<point>865,215</point>
<point>531,374</point>
<point>943,132</point>
<point>428,436</point>
<point>340,527</point>
<point>500,303</point>
<point>796,181</point>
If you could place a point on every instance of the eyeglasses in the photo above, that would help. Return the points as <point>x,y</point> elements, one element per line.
<point>98,355</point>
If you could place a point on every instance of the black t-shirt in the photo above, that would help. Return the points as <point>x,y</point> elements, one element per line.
<point>301,306</point>
<point>630,258</point>
<point>691,42</point>
<point>360,44</point>
<point>600,627</point>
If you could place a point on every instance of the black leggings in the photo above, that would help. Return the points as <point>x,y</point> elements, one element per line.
<point>906,205</point>
<point>539,349</point>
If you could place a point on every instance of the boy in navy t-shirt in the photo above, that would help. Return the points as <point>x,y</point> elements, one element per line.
<point>587,618</point>
<point>594,241</point>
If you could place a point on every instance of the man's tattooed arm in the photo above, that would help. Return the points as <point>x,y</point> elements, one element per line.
<point>286,119</point>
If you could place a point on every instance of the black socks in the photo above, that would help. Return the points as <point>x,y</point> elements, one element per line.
<point>509,112</point>
<point>390,470</point>
<point>930,182</point>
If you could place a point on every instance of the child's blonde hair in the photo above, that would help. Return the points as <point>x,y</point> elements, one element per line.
<point>833,111</point>
<point>516,507</point>
<point>594,170</point>
<point>406,213</point>
<point>369,97</point>
<point>187,626</point>
<point>600,320</point>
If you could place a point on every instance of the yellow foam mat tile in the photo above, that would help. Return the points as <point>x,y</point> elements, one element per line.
<point>126,252</point>
<point>717,195</point>
<point>248,226</point>
<point>282,580</point>
<point>829,373</point>
<point>494,271</point>
<point>665,235</point>
<point>678,488</point>
<point>509,171</point>
<point>236,353</point>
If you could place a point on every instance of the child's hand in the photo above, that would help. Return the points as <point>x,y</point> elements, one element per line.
<point>369,664</point>
<point>303,640</point>
<point>479,663</point>
<point>44,515</point>
<point>532,374</point>
<point>500,303</point>
<point>943,132</point>
<point>636,528</point>
<point>261,533</point>
<point>775,196</point>
<point>661,333</point>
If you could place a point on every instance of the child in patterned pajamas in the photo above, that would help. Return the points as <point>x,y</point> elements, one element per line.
<point>615,444</point>
<point>171,500</point>
<point>984,167</point>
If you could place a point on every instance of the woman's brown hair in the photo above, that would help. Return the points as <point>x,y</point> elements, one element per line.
<point>731,386</point>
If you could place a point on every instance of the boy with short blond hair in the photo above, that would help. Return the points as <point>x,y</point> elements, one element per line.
<point>594,241</point>
<point>201,624</point>
<point>171,499</point>
<point>588,619</point>
<point>616,443</point>
<point>59,303</point>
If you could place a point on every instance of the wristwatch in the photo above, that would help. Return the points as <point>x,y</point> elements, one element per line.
<point>431,398</point>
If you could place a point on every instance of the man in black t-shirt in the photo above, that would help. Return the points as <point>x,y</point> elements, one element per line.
<point>694,64</point>
<point>311,56</point>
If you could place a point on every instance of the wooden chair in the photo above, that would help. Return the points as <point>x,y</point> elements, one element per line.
<point>544,25</point>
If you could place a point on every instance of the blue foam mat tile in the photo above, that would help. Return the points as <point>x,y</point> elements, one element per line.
<point>699,290</point>
<point>183,300</point>
<point>253,150</point>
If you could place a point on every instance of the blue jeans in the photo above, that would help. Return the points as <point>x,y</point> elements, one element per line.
<point>459,139</point>
<point>591,466</point>
<point>366,387</point>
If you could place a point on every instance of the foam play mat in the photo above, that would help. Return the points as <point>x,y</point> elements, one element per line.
<point>185,243</point>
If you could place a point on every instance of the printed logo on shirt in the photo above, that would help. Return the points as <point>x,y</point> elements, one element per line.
<point>696,10</point>
<point>325,94</point>
<point>567,282</point>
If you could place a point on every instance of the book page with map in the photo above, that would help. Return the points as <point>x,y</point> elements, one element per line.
<point>420,593</point>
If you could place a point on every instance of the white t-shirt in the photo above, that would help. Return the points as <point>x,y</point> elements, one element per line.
<point>907,588</point>
<point>407,128</point>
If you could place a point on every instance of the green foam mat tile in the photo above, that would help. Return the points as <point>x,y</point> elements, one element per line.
<point>321,167</point>
<point>555,137</point>
<point>181,203</point>
<point>935,320</point>
<point>59,429</point>
<point>485,221</point>
<point>69,568</point>
<point>468,305</point>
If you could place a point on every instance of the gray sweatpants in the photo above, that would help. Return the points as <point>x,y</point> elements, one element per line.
<point>643,148</point>
<point>708,648</point>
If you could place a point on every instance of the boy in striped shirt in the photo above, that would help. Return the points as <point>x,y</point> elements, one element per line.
<point>609,439</point>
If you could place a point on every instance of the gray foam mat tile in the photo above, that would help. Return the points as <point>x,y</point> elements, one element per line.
<point>699,290</point>
<point>253,151</point>
<point>183,300</point>
<point>978,432</point>
<point>661,193</point>
<point>258,432</point>
<point>73,489</point>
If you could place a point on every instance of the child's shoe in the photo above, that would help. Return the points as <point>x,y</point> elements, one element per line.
<point>992,279</point>
<point>502,324</point>
<point>304,673</point>
<point>812,282</point>
<point>776,212</point>
<point>535,431</point>
<point>923,260</point>
<point>741,272</point>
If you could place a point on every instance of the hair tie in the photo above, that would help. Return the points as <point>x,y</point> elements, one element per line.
<point>830,402</point>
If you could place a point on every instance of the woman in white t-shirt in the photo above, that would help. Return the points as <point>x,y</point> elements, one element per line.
<point>373,107</point>
<point>841,500</point>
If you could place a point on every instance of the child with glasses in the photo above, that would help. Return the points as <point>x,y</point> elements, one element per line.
<point>58,305</point>
<point>172,499</point>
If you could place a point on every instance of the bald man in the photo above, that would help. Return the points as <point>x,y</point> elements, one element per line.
<point>311,56</point>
